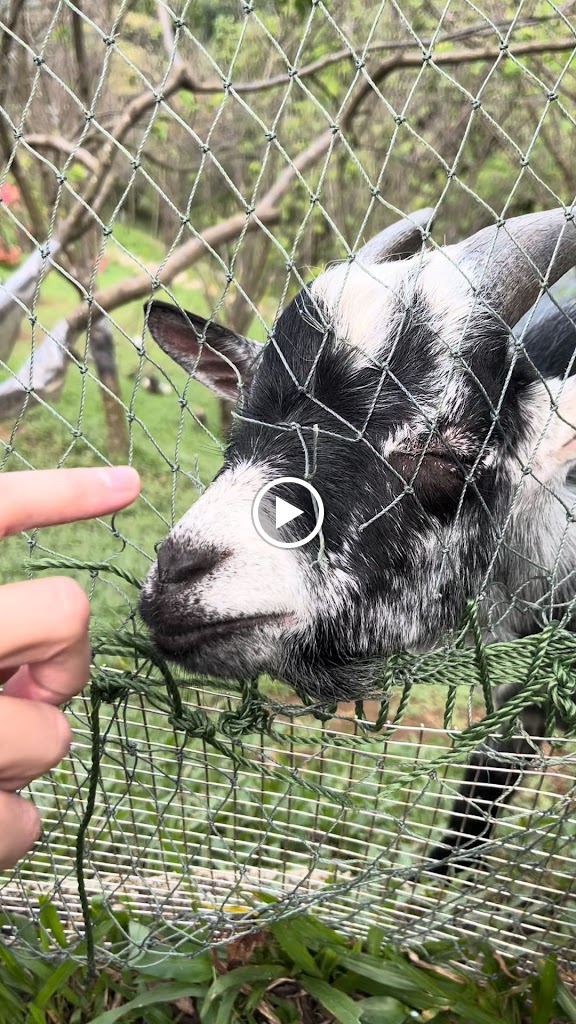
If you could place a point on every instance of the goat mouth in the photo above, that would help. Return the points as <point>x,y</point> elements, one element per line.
<point>182,642</point>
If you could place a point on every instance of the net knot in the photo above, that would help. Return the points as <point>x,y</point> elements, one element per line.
<point>249,716</point>
<point>562,691</point>
<point>110,689</point>
<point>194,722</point>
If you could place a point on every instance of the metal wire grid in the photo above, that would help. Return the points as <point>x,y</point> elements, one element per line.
<point>178,832</point>
<point>180,835</point>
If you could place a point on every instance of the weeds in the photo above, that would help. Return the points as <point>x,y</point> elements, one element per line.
<point>298,970</point>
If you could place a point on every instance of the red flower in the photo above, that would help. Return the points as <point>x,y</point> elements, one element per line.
<point>9,193</point>
<point>10,255</point>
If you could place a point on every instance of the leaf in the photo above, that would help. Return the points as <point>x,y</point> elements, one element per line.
<point>288,937</point>
<point>394,980</point>
<point>139,934</point>
<point>374,940</point>
<point>243,976</point>
<point>420,988</point>
<point>544,988</point>
<point>160,994</point>
<point>566,1002</point>
<point>224,1015</point>
<point>35,1015</point>
<point>340,1005</point>
<point>50,920</point>
<point>17,972</point>
<point>175,968</point>
<point>55,982</point>
<point>10,1006</point>
<point>377,1009</point>
<point>317,936</point>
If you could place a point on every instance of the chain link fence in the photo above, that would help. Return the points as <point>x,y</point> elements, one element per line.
<point>218,155</point>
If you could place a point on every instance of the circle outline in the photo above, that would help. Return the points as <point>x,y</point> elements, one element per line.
<point>292,543</point>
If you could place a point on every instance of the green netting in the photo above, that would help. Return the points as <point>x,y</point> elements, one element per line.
<point>217,154</point>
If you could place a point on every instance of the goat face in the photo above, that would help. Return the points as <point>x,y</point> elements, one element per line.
<point>395,387</point>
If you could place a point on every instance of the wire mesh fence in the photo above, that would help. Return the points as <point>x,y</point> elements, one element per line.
<point>218,155</point>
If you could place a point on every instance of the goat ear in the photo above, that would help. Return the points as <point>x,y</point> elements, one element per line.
<point>214,355</point>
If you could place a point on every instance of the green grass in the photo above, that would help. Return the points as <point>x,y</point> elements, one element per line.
<point>161,433</point>
<point>298,970</point>
<point>233,819</point>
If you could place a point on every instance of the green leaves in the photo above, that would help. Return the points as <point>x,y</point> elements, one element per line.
<point>298,967</point>
<point>342,1006</point>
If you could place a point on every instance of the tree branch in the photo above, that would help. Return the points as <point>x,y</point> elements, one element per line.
<point>407,60</point>
<point>61,145</point>
<point>103,177</point>
<point>345,54</point>
<point>139,286</point>
<point>168,34</point>
<point>266,211</point>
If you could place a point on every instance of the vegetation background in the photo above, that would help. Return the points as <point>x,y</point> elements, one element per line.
<point>218,153</point>
<point>328,121</point>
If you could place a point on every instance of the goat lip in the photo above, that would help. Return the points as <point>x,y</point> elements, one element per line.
<point>182,641</point>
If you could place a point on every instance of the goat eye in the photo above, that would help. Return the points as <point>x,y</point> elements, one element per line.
<point>436,477</point>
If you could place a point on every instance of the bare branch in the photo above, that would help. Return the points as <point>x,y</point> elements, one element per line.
<point>345,54</point>
<point>412,60</point>
<point>266,211</point>
<point>180,78</point>
<point>103,178</point>
<point>61,145</point>
<point>168,34</point>
<point>139,286</point>
<point>22,179</point>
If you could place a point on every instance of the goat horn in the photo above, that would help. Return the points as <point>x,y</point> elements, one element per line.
<point>509,263</point>
<point>401,239</point>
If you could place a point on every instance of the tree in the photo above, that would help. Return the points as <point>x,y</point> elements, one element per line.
<point>292,132</point>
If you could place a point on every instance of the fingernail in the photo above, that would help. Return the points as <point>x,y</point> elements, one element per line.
<point>122,479</point>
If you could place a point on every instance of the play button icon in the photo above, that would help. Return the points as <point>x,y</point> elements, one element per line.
<point>272,512</point>
<point>285,512</point>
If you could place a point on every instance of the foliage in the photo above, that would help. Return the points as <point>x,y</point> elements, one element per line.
<point>299,970</point>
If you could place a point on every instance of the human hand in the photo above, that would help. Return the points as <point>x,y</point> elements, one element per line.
<point>44,645</point>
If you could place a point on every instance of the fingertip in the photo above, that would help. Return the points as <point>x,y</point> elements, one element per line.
<point>21,827</point>
<point>123,480</point>
<point>31,823</point>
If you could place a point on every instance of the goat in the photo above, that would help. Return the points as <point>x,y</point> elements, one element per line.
<point>441,447</point>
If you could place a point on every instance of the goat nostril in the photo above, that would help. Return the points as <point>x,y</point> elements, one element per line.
<point>184,565</point>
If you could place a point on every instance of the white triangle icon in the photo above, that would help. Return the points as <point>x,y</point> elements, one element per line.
<point>285,512</point>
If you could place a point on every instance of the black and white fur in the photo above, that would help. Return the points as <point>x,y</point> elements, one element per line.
<point>440,447</point>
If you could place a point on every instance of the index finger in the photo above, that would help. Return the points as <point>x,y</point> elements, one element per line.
<point>47,497</point>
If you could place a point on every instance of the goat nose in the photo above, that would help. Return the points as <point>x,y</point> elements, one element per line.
<point>178,564</point>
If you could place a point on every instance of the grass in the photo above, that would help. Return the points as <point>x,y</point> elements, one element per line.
<point>296,972</point>
<point>236,818</point>
<point>161,433</point>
